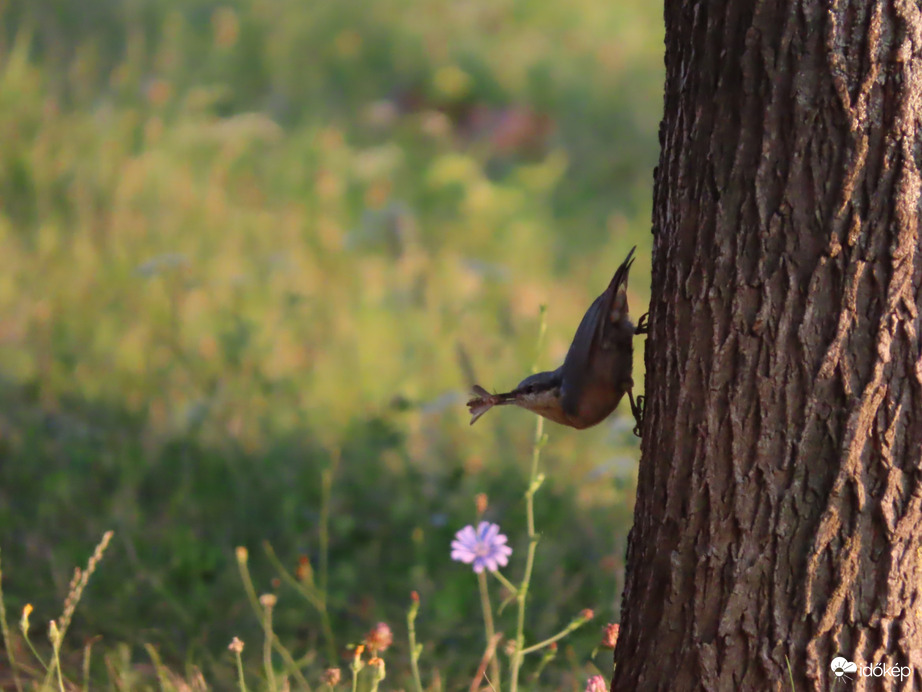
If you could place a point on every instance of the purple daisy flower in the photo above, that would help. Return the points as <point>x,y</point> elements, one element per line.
<point>485,547</point>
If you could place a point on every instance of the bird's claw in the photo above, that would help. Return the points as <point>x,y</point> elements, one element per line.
<point>643,326</point>
<point>638,414</point>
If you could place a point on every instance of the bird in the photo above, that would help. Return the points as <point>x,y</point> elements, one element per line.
<point>595,374</point>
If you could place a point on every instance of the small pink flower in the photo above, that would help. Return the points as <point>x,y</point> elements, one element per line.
<point>379,638</point>
<point>596,684</point>
<point>610,636</point>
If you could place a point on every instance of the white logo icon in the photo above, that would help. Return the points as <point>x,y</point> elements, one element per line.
<point>841,666</point>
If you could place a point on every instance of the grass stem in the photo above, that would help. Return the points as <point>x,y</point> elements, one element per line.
<point>326,491</point>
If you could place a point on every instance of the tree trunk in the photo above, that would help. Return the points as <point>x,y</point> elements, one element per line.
<point>778,520</point>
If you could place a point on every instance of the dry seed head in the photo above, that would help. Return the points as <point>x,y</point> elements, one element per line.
<point>80,580</point>
<point>268,600</point>
<point>54,634</point>
<point>74,580</point>
<point>236,646</point>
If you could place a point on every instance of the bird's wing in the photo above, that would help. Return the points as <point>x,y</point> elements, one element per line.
<point>575,368</point>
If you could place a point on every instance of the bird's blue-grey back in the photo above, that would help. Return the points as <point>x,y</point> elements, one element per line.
<point>574,371</point>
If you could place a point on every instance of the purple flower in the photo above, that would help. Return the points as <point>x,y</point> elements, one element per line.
<point>485,547</point>
<point>596,684</point>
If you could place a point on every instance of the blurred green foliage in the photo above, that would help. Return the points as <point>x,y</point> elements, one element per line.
<point>239,238</point>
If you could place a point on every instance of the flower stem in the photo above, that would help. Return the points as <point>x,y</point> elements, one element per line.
<point>488,626</point>
<point>267,648</point>
<point>522,593</point>
<point>241,680</point>
<point>550,640</point>
<point>414,648</point>
<point>242,558</point>
<point>34,651</point>
<point>505,582</point>
<point>357,665</point>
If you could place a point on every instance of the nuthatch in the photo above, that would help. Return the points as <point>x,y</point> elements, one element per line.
<point>595,374</point>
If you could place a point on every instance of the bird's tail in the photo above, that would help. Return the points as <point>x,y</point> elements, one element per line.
<point>618,289</point>
<point>483,401</point>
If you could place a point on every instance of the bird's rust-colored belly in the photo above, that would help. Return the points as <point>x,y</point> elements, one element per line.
<point>595,405</point>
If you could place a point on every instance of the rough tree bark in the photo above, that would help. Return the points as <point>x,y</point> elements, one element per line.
<point>779,510</point>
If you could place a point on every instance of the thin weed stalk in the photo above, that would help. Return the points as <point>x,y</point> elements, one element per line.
<point>56,637</point>
<point>415,649</point>
<point>7,638</point>
<point>306,587</point>
<point>326,491</point>
<point>315,594</point>
<point>268,603</point>
<point>534,482</point>
<point>57,629</point>
<point>292,666</point>
<point>241,680</point>
<point>81,579</point>
<point>356,666</point>
<point>576,624</point>
<point>548,656</point>
<point>162,677</point>
<point>87,658</point>
<point>488,655</point>
<point>236,647</point>
<point>24,628</point>
<point>378,672</point>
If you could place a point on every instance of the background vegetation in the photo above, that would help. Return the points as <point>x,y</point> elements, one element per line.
<point>241,240</point>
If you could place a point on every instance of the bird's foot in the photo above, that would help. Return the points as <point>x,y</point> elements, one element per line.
<point>637,408</point>
<point>643,326</point>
